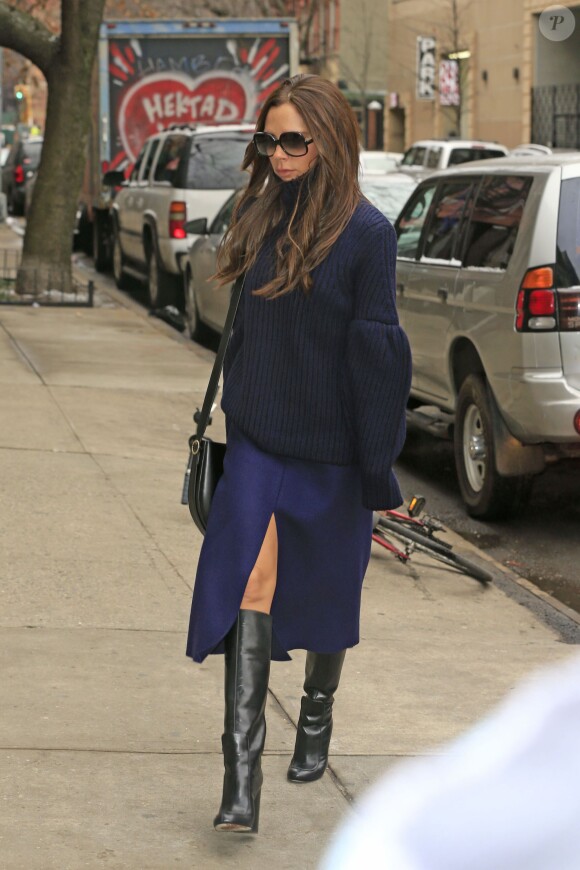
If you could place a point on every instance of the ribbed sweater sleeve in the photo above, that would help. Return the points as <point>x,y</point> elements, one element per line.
<point>378,365</point>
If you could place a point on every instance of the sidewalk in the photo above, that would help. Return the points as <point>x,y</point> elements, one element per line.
<point>110,737</point>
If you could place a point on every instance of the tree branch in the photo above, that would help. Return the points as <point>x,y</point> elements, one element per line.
<point>29,37</point>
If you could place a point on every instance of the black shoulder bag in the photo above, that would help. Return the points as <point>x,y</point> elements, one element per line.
<point>206,457</point>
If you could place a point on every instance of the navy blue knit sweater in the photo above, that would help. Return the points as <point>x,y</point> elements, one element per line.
<point>326,376</point>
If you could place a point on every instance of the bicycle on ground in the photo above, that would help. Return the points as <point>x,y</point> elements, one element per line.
<point>403,534</point>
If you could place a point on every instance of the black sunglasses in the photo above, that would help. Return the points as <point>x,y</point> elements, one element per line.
<point>293,144</point>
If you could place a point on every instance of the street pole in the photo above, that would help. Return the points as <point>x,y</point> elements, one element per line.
<point>1,86</point>
<point>3,208</point>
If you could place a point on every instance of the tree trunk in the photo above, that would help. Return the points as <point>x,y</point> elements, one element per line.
<point>46,258</point>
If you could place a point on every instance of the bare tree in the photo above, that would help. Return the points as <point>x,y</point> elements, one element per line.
<point>449,22</point>
<point>304,13</point>
<point>453,45</point>
<point>66,59</point>
<point>359,75</point>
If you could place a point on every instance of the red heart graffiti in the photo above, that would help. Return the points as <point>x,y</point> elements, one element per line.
<point>160,100</point>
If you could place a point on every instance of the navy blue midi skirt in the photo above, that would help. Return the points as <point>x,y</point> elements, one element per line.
<point>324,541</point>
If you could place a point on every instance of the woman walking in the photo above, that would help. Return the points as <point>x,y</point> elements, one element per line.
<point>316,381</point>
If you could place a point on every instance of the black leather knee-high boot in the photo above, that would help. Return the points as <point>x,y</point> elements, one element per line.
<point>315,724</point>
<point>247,669</point>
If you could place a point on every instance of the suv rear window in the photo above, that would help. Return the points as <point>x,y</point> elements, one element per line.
<point>443,231</point>
<point>568,239</point>
<point>168,162</point>
<point>495,220</point>
<point>214,162</point>
<point>414,157</point>
<point>466,155</point>
<point>433,157</point>
<point>412,219</point>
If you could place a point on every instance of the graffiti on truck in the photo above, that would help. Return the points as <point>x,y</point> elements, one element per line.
<point>156,83</point>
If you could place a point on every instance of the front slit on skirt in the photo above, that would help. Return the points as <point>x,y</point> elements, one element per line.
<point>324,540</point>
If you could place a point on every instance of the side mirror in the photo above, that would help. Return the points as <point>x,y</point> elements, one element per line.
<point>197,227</point>
<point>113,178</point>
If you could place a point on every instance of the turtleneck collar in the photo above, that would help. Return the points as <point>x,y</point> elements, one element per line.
<point>290,190</point>
<point>298,187</point>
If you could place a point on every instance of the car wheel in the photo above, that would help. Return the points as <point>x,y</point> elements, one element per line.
<point>84,235</point>
<point>487,494</point>
<point>159,283</point>
<point>18,204</point>
<point>101,241</point>
<point>197,329</point>
<point>119,273</point>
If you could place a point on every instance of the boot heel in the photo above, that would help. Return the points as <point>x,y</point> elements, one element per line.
<point>240,825</point>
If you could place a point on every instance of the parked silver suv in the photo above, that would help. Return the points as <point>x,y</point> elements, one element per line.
<point>181,174</point>
<point>488,284</point>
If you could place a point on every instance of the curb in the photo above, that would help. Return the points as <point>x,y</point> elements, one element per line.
<point>564,620</point>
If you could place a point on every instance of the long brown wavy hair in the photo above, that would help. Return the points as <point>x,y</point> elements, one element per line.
<point>329,191</point>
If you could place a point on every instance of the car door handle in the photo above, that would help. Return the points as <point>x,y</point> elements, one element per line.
<point>443,293</point>
<point>400,289</point>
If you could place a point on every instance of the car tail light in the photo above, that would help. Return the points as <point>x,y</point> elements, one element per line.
<point>542,308</point>
<point>538,279</point>
<point>177,220</point>
<point>536,302</point>
<point>569,310</point>
<point>542,303</point>
<point>577,422</point>
<point>19,174</point>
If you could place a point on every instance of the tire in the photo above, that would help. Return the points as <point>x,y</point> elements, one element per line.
<point>18,203</point>
<point>160,285</point>
<point>437,550</point>
<point>196,328</point>
<point>84,236</point>
<point>12,204</point>
<point>119,273</point>
<point>487,494</point>
<point>101,242</point>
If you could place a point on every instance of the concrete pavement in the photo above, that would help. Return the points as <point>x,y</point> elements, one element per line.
<point>109,736</point>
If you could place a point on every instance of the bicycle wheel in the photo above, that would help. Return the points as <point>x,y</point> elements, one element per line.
<point>437,550</point>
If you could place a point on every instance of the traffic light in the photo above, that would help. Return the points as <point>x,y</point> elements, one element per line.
<point>22,95</point>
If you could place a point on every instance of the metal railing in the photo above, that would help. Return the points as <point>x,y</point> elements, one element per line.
<point>52,287</point>
<point>556,116</point>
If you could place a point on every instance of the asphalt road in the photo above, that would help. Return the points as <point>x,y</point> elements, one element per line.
<point>542,543</point>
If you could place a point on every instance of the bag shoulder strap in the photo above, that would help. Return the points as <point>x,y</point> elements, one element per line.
<point>218,365</point>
